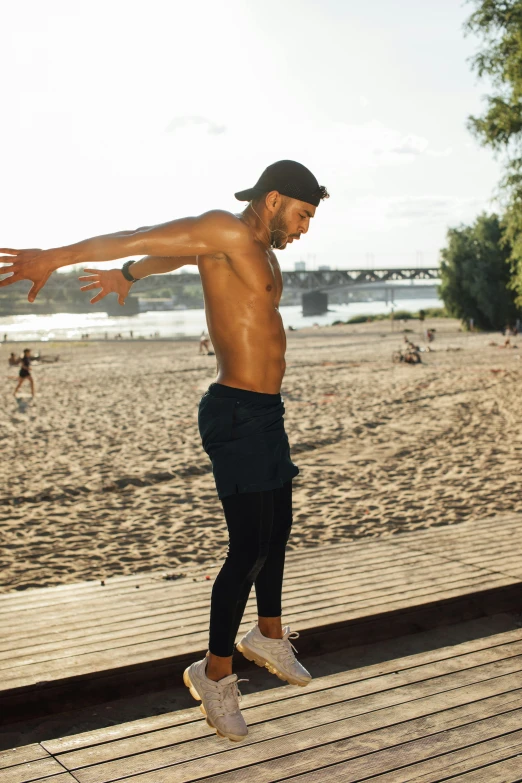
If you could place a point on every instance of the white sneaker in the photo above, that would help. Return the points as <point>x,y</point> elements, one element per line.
<point>220,700</point>
<point>276,654</point>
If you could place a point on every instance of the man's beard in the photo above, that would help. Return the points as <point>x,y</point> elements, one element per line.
<point>278,230</point>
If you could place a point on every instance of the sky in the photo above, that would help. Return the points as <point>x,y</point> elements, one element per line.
<point>121,114</point>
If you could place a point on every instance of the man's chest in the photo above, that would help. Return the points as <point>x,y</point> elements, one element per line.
<point>258,270</point>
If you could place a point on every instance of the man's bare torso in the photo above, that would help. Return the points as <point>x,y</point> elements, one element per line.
<point>242,295</point>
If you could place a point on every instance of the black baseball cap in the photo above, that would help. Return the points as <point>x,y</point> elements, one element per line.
<point>289,178</point>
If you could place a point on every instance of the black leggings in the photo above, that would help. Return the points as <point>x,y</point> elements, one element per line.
<point>258,526</point>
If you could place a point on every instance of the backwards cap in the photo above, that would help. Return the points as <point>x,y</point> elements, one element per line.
<point>289,178</point>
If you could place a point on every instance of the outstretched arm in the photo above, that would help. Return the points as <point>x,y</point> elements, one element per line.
<point>210,233</point>
<point>113,281</point>
<point>159,265</point>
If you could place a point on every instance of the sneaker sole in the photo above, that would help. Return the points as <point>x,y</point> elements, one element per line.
<point>250,655</point>
<point>194,693</point>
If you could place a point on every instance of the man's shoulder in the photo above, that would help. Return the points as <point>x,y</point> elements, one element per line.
<point>228,224</point>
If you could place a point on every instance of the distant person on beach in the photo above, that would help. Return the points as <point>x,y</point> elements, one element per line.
<point>411,353</point>
<point>14,360</point>
<point>25,371</point>
<point>38,357</point>
<point>204,342</point>
<point>240,416</point>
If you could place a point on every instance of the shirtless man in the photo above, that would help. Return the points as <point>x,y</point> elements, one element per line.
<point>241,414</point>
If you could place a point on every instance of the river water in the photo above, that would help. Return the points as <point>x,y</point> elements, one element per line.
<point>172,323</point>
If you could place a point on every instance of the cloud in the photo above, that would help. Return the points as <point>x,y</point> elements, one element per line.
<point>411,145</point>
<point>212,128</point>
<point>433,209</point>
<point>440,153</point>
<point>374,144</point>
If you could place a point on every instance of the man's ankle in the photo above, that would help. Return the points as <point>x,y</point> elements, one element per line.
<point>216,673</point>
<point>272,631</point>
<point>218,676</point>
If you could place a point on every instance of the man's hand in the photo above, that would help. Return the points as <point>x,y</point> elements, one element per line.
<point>34,265</point>
<point>109,280</point>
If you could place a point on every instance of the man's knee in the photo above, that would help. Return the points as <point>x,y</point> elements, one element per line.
<point>255,563</point>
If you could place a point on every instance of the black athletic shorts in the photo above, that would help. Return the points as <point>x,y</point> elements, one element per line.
<point>244,435</point>
<point>24,373</point>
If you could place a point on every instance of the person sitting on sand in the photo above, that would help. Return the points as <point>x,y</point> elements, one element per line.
<point>411,353</point>
<point>25,371</point>
<point>14,360</point>
<point>45,359</point>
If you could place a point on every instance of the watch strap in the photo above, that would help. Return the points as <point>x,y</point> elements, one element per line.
<point>126,273</point>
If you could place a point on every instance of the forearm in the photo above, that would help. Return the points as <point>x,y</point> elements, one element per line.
<point>96,250</point>
<point>159,265</point>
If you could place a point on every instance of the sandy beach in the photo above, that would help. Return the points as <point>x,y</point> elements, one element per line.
<point>104,474</point>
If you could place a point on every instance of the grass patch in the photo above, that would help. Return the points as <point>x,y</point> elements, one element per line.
<point>398,315</point>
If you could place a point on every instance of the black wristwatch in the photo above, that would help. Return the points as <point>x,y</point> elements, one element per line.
<point>125,271</point>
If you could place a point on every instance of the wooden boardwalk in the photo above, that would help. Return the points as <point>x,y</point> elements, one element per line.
<point>453,713</point>
<point>66,645</point>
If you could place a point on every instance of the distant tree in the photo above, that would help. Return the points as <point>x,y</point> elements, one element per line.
<point>499,24</point>
<point>475,275</point>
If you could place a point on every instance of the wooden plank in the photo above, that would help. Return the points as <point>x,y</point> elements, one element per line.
<point>444,541</point>
<point>43,597</point>
<point>23,755</point>
<point>509,771</point>
<point>102,661</point>
<point>63,777</point>
<point>183,585</point>
<point>306,709</point>
<point>406,576</point>
<point>199,611</point>
<point>455,550</point>
<point>177,588</point>
<point>172,644</point>
<point>138,634</point>
<point>95,609</point>
<point>326,760</point>
<point>61,592</point>
<point>409,668</point>
<point>498,563</point>
<point>487,552</point>
<point>65,644</point>
<point>184,588</point>
<point>428,760</point>
<point>32,771</point>
<point>297,750</point>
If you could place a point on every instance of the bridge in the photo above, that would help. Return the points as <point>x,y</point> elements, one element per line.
<point>314,285</point>
<point>325,279</point>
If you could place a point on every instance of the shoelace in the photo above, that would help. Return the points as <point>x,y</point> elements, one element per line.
<point>285,644</point>
<point>226,699</point>
<point>232,695</point>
